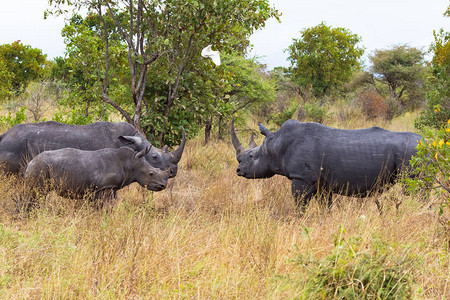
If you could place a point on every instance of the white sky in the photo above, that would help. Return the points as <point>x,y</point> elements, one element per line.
<point>380,23</point>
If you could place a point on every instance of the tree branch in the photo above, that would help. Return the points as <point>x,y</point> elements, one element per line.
<point>120,109</point>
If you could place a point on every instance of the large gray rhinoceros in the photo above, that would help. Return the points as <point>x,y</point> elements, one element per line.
<point>320,159</point>
<point>76,173</point>
<point>23,142</point>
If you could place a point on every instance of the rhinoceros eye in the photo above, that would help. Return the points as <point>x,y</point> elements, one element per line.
<point>251,155</point>
<point>154,156</point>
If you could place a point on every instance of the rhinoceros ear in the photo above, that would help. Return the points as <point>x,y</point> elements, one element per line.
<point>264,131</point>
<point>143,152</point>
<point>131,140</point>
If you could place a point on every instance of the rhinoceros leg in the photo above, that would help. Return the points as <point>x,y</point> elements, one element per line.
<point>105,199</point>
<point>10,163</point>
<point>302,192</point>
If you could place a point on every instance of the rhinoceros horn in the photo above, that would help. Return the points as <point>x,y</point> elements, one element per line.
<point>176,154</point>
<point>237,145</point>
<point>252,143</point>
<point>264,131</point>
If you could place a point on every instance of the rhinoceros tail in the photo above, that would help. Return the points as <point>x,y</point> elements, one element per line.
<point>1,137</point>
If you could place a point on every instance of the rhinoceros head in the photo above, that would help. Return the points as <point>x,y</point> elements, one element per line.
<point>159,158</point>
<point>147,176</point>
<point>253,162</point>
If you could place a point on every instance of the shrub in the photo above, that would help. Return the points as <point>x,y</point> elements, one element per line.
<point>74,118</point>
<point>283,116</point>
<point>373,104</point>
<point>432,164</point>
<point>437,111</point>
<point>315,112</point>
<point>347,110</point>
<point>9,121</point>
<point>355,272</point>
<point>394,108</point>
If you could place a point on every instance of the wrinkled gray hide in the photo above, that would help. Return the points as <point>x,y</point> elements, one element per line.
<point>320,158</point>
<point>76,172</point>
<point>23,142</point>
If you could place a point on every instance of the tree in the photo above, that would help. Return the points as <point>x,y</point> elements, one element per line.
<point>437,112</point>
<point>324,58</point>
<point>6,78</point>
<point>165,37</point>
<point>83,69</point>
<point>401,71</point>
<point>244,84</point>
<point>23,62</point>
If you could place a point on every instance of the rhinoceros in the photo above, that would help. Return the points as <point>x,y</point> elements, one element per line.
<point>75,173</point>
<point>321,159</point>
<point>23,142</point>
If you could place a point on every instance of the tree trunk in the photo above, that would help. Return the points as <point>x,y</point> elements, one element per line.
<point>208,127</point>
<point>220,135</point>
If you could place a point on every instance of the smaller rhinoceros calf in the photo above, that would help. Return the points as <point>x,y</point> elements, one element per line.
<point>76,173</point>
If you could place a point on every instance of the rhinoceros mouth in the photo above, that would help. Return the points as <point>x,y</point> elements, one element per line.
<point>155,187</point>
<point>243,174</point>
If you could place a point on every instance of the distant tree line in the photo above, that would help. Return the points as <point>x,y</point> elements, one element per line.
<point>141,60</point>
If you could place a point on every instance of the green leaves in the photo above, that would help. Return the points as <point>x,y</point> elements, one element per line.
<point>20,64</point>
<point>438,84</point>
<point>400,70</point>
<point>324,58</point>
<point>173,31</point>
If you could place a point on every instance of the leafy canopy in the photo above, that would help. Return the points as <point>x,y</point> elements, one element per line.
<point>163,40</point>
<point>324,58</point>
<point>19,64</point>
<point>438,84</point>
<point>400,69</point>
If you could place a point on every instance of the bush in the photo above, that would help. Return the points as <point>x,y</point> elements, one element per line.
<point>394,108</point>
<point>438,84</point>
<point>9,121</point>
<point>283,116</point>
<point>432,164</point>
<point>74,118</point>
<point>315,112</point>
<point>347,110</point>
<point>373,104</point>
<point>354,272</point>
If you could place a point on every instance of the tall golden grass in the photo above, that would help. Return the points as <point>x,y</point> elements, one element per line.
<point>213,235</point>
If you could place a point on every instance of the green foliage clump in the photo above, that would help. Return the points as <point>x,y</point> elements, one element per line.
<point>352,271</point>
<point>5,80</point>
<point>10,120</point>
<point>19,64</point>
<point>438,84</point>
<point>74,118</point>
<point>281,117</point>
<point>315,112</point>
<point>432,164</point>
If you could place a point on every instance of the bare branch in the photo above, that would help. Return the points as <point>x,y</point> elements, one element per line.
<point>120,109</point>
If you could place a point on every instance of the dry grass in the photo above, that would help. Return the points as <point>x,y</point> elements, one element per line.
<point>209,235</point>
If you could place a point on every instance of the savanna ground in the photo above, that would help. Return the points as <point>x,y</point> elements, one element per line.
<point>214,235</point>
